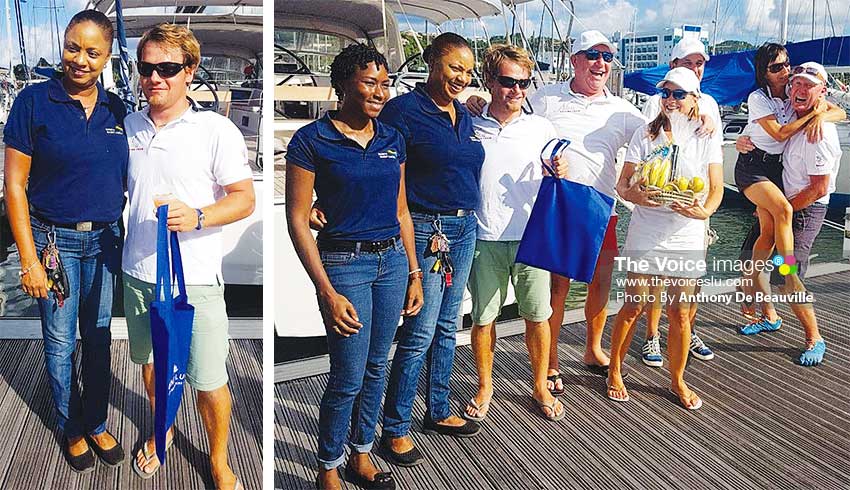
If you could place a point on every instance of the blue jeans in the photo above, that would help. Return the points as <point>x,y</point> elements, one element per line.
<point>431,334</point>
<point>376,284</point>
<point>92,262</point>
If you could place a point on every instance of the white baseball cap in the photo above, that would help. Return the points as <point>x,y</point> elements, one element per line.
<point>589,39</point>
<point>688,46</point>
<point>811,71</point>
<point>683,77</point>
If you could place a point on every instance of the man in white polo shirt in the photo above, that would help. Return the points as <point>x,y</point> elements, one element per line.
<point>687,53</point>
<point>200,159</point>
<point>808,175</point>
<point>598,124</point>
<point>509,181</point>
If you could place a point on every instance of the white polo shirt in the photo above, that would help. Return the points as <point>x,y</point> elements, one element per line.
<point>760,105</point>
<point>511,174</point>
<point>802,159</point>
<point>193,157</point>
<point>707,105</point>
<point>596,127</point>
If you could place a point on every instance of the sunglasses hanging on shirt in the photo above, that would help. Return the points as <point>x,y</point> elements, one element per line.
<point>165,69</point>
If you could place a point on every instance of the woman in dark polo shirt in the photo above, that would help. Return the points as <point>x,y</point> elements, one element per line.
<point>66,168</point>
<point>444,160</point>
<point>363,263</point>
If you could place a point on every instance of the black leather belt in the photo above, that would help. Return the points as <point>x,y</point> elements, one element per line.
<point>759,154</point>
<point>80,226</point>
<point>352,246</point>
<point>452,212</point>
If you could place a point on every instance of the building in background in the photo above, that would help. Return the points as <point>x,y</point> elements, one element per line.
<point>648,49</point>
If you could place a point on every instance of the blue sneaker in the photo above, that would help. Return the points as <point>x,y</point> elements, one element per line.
<point>699,349</point>
<point>760,325</point>
<point>813,355</point>
<point>652,352</point>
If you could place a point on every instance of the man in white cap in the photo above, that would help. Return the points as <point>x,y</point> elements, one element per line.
<point>687,53</point>
<point>598,124</point>
<point>809,171</point>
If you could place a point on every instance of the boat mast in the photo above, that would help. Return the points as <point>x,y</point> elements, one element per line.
<point>714,34</point>
<point>9,36</point>
<point>784,31</point>
<point>21,44</point>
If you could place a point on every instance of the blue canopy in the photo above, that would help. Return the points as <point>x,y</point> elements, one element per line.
<point>730,78</point>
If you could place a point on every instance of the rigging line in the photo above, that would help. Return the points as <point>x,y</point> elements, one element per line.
<point>831,23</point>
<point>410,26</point>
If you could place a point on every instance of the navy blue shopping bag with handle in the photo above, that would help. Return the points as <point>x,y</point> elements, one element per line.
<point>171,331</point>
<point>567,225</point>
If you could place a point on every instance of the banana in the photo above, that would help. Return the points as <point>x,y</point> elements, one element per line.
<point>654,175</point>
<point>663,174</point>
<point>644,171</point>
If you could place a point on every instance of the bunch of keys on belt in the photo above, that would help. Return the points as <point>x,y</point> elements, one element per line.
<point>57,278</point>
<point>439,246</point>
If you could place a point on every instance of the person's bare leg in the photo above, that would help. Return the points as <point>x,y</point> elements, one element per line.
<point>762,251</point>
<point>215,407</point>
<point>537,342</point>
<point>559,289</point>
<point>149,383</point>
<point>483,343</point>
<point>624,327</point>
<point>596,310</point>
<point>653,312</point>
<point>678,342</point>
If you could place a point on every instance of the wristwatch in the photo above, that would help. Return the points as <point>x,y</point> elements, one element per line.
<point>201,218</point>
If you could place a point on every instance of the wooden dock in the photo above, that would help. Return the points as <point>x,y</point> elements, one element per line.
<point>766,422</point>
<point>30,457</point>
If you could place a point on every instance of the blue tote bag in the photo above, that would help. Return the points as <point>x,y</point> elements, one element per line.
<point>171,331</point>
<point>567,225</point>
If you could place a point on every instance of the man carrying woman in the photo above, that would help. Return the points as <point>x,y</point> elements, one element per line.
<point>659,233</point>
<point>65,173</point>
<point>510,179</point>
<point>364,264</point>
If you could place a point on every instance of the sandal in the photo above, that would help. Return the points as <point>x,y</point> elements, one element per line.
<point>481,409</point>
<point>150,457</point>
<point>695,405</point>
<point>553,415</point>
<point>612,390</point>
<point>554,378</point>
<point>239,486</point>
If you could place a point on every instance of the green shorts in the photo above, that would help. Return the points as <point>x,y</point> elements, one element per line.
<point>492,266</point>
<point>210,343</point>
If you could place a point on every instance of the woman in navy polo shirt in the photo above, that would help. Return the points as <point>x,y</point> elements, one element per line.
<point>363,263</point>
<point>66,168</point>
<point>444,160</point>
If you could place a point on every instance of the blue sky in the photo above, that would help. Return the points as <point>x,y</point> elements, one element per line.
<point>754,21</point>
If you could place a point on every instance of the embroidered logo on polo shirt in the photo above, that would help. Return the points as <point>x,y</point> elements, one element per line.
<point>474,137</point>
<point>388,154</point>
<point>820,161</point>
<point>116,130</point>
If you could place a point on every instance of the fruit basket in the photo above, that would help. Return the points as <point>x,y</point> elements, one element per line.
<point>660,173</point>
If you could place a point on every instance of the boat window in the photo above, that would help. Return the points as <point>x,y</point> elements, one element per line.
<point>315,49</point>
<point>226,70</point>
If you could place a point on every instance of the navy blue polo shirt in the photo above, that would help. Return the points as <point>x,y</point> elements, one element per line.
<point>443,161</point>
<point>357,187</point>
<point>79,167</point>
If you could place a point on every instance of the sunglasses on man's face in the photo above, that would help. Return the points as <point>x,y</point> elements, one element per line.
<point>677,94</point>
<point>594,54</point>
<point>778,67</point>
<point>509,82</point>
<point>165,69</point>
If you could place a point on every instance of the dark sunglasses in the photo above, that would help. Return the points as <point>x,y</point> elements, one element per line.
<point>166,69</point>
<point>778,67</point>
<point>594,54</point>
<point>677,94</point>
<point>509,82</point>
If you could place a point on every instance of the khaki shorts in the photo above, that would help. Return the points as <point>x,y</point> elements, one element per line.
<point>493,265</point>
<point>210,345</point>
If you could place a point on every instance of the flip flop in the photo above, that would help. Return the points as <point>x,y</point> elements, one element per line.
<point>149,458</point>
<point>553,415</point>
<point>615,399</point>
<point>238,485</point>
<point>554,378</point>
<point>603,370</point>
<point>696,406</point>
<point>482,410</point>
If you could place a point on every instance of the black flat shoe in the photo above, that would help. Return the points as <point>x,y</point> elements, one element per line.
<point>82,463</point>
<point>468,429</point>
<point>407,459</point>
<point>603,370</point>
<point>113,456</point>
<point>382,481</point>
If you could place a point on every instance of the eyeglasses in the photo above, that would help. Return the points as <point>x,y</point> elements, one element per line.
<point>165,69</point>
<point>594,54</point>
<point>778,67</point>
<point>509,82</point>
<point>809,70</point>
<point>677,94</point>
